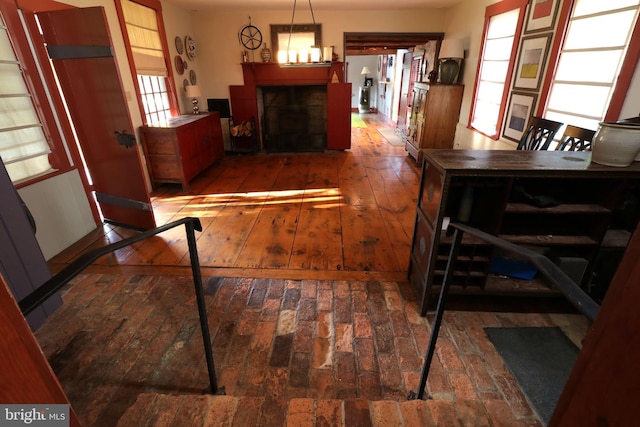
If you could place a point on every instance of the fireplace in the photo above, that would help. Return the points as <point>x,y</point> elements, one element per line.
<point>296,108</point>
<point>293,117</point>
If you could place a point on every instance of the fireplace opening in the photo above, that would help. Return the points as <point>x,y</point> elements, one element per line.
<point>295,118</point>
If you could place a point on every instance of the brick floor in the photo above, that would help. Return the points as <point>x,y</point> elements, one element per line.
<point>128,352</point>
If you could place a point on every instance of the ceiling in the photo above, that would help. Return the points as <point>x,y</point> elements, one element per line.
<point>204,5</point>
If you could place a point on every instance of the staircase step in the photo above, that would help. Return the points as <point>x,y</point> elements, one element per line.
<point>154,409</point>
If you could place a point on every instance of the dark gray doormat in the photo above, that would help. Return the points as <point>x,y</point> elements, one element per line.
<point>540,359</point>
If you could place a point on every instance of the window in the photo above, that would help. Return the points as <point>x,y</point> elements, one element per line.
<point>503,24</point>
<point>148,54</point>
<point>23,145</point>
<point>590,61</point>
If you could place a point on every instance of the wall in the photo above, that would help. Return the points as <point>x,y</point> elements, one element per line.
<point>466,21</point>
<point>219,51</point>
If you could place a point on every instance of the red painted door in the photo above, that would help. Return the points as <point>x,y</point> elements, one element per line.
<point>79,45</point>
<point>339,116</point>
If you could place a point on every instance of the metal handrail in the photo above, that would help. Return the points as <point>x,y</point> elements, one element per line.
<point>576,296</point>
<point>55,283</point>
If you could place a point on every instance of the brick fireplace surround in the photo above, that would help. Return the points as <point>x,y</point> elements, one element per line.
<point>246,101</point>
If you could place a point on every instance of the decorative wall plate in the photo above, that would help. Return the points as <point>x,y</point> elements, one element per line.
<point>190,47</point>
<point>192,77</point>
<point>179,65</point>
<point>186,64</point>
<point>179,45</point>
<point>185,83</point>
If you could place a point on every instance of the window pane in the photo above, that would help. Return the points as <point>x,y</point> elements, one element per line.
<point>154,84</point>
<point>589,66</point>
<point>503,25</point>
<point>490,92</point>
<point>18,111</point>
<point>580,99</point>
<point>588,7</point>
<point>494,71</point>
<point>600,31</point>
<point>146,82</point>
<point>151,103</point>
<point>29,168</point>
<point>573,120</point>
<point>499,49</point>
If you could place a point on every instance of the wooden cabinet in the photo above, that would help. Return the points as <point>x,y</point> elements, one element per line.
<point>181,148</point>
<point>561,205</point>
<point>435,110</point>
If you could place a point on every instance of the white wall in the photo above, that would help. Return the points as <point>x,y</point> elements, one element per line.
<point>61,211</point>
<point>219,51</point>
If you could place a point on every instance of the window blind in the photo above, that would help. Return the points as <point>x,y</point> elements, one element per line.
<point>23,145</point>
<point>144,38</point>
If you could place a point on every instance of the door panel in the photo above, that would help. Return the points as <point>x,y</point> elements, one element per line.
<point>79,44</point>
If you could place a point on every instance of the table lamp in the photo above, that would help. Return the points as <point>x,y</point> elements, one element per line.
<point>365,71</point>
<point>194,92</point>
<point>451,55</point>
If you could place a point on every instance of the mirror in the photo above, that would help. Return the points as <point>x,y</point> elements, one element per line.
<point>303,36</point>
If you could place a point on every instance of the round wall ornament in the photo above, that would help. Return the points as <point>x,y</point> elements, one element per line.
<point>179,65</point>
<point>190,47</point>
<point>193,77</point>
<point>179,45</point>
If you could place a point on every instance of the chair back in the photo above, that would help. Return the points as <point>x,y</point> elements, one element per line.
<point>576,139</point>
<point>539,134</point>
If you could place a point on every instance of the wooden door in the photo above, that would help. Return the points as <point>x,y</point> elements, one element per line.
<point>79,44</point>
<point>27,377</point>
<point>21,260</point>
<point>339,116</point>
<point>602,389</point>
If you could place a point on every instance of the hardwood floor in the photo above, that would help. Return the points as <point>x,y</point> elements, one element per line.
<point>327,216</point>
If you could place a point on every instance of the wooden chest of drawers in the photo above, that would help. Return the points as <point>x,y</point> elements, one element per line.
<point>179,149</point>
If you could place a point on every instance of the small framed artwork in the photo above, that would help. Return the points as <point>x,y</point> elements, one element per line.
<point>542,15</point>
<point>533,55</point>
<point>519,111</point>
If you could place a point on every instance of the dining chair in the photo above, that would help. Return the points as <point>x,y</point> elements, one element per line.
<point>576,139</point>
<point>539,134</point>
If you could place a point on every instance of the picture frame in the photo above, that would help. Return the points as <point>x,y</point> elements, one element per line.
<point>531,62</point>
<point>542,16</point>
<point>519,110</point>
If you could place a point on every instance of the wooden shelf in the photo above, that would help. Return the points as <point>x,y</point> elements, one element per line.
<point>589,196</point>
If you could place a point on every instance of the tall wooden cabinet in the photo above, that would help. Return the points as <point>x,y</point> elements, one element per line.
<point>557,203</point>
<point>435,110</point>
<point>179,149</point>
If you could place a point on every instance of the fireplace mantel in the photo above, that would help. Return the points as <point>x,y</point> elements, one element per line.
<point>269,73</point>
<point>244,99</point>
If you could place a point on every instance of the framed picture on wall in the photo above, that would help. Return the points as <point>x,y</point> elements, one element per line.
<point>533,56</point>
<point>519,111</point>
<point>542,15</point>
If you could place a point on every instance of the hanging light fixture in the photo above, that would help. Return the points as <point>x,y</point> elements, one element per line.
<point>309,56</point>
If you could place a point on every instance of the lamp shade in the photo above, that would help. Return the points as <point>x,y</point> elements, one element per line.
<point>451,48</point>
<point>193,91</point>
<point>365,70</point>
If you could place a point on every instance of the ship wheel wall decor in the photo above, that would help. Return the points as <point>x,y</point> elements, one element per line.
<point>250,36</point>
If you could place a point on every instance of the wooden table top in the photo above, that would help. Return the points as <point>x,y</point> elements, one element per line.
<point>505,162</point>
